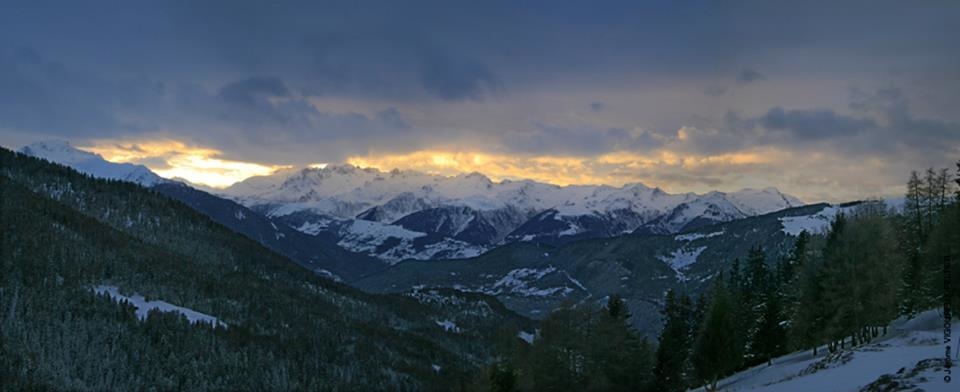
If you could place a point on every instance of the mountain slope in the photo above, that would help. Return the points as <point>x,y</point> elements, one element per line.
<point>534,278</point>
<point>318,253</point>
<point>65,234</point>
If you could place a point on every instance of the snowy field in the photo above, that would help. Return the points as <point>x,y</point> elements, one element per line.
<point>144,307</point>
<point>909,357</point>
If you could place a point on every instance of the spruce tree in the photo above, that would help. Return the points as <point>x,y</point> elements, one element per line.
<point>754,289</point>
<point>623,360</point>
<point>674,346</point>
<point>716,350</point>
<point>503,377</point>
<point>770,337</point>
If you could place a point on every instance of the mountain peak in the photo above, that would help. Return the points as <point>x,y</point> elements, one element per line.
<point>60,151</point>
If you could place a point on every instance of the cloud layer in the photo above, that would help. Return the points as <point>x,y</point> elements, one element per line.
<point>825,102</point>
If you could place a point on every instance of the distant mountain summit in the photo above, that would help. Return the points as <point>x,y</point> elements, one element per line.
<point>441,212</point>
<point>58,151</point>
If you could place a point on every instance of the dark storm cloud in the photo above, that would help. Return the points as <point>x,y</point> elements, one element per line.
<point>248,91</point>
<point>241,75</point>
<point>583,141</point>
<point>882,123</point>
<point>455,78</point>
<point>47,96</point>
<point>813,124</point>
<point>747,76</point>
<point>716,91</point>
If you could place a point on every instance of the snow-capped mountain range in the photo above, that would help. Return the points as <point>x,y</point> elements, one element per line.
<point>403,214</point>
<point>421,216</point>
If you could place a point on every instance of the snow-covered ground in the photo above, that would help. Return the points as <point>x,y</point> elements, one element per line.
<point>910,355</point>
<point>144,307</point>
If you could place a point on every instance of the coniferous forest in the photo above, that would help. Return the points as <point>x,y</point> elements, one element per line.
<point>287,329</point>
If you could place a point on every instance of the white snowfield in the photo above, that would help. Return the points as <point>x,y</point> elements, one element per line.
<point>144,307</point>
<point>912,354</point>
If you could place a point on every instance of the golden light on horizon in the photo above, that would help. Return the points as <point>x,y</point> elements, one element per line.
<point>174,159</point>
<point>616,168</point>
<point>207,166</point>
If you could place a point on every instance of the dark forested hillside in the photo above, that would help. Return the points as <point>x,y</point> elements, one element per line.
<point>315,252</point>
<point>286,328</point>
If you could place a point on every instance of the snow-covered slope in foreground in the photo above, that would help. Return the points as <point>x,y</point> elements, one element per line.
<point>92,164</point>
<point>909,357</point>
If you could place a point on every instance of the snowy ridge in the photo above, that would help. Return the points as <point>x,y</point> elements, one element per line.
<point>144,307</point>
<point>91,164</point>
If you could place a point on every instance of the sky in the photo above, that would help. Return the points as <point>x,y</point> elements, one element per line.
<point>825,100</point>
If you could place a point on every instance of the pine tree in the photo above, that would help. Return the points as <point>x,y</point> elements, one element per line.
<point>770,337</point>
<point>912,234</point>
<point>503,377</point>
<point>716,351</point>
<point>622,358</point>
<point>674,347</point>
<point>957,180</point>
<point>795,259</point>
<point>741,314</point>
<point>754,288</point>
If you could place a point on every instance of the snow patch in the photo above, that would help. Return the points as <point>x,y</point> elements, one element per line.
<point>526,337</point>
<point>144,307</point>
<point>696,236</point>
<point>521,281</point>
<point>448,326</point>
<point>681,259</point>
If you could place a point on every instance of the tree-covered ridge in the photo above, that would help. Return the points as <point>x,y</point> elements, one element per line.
<point>64,233</point>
